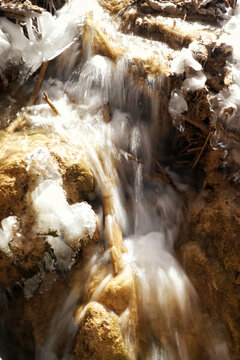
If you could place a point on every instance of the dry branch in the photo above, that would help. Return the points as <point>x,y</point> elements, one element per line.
<point>3,78</point>
<point>198,124</point>
<point>163,177</point>
<point>202,150</point>
<point>38,85</point>
<point>130,157</point>
<point>49,102</point>
<point>194,149</point>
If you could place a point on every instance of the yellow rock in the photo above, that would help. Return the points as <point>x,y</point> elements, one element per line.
<point>16,182</point>
<point>118,292</point>
<point>99,336</point>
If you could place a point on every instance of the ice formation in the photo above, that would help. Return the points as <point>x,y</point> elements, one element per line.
<point>194,82</point>
<point>184,60</point>
<point>57,33</point>
<point>177,104</point>
<point>71,222</point>
<point>229,96</point>
<point>9,225</point>
<point>63,225</point>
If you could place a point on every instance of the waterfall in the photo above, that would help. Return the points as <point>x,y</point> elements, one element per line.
<point>111,121</point>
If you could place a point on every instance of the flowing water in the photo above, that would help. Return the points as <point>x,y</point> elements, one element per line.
<point>121,153</point>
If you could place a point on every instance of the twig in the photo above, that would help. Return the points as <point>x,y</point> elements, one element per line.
<point>161,179</point>
<point>198,124</point>
<point>130,157</point>
<point>199,134</point>
<point>194,149</point>
<point>49,102</point>
<point>184,149</point>
<point>166,176</point>
<point>38,85</point>
<point>158,178</point>
<point>3,78</point>
<point>202,150</point>
<point>163,171</point>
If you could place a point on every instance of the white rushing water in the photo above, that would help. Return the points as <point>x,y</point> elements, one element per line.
<point>167,301</point>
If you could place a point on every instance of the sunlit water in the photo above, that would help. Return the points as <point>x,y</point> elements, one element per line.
<point>166,301</point>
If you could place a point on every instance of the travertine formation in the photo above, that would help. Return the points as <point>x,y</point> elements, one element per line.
<point>207,245</point>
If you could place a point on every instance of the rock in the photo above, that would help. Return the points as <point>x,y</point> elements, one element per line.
<point>99,336</point>
<point>118,292</point>
<point>15,181</point>
<point>18,10</point>
<point>29,322</point>
<point>9,273</point>
<point>202,10</point>
<point>77,178</point>
<point>41,308</point>
<point>16,184</point>
<point>209,250</point>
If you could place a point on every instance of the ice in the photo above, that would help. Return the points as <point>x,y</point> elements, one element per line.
<point>195,81</point>
<point>46,24</point>
<point>15,35</point>
<point>17,41</point>
<point>70,224</point>
<point>54,213</point>
<point>9,224</point>
<point>4,46</point>
<point>177,104</point>
<point>226,104</point>
<point>40,162</point>
<point>231,32</point>
<point>57,34</point>
<point>184,60</point>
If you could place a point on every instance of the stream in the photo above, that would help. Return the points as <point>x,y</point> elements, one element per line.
<point>111,122</point>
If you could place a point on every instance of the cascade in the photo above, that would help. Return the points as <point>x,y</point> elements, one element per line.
<point>97,194</point>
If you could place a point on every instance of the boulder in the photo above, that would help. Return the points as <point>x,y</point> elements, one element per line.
<point>99,336</point>
<point>25,247</point>
<point>118,293</point>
